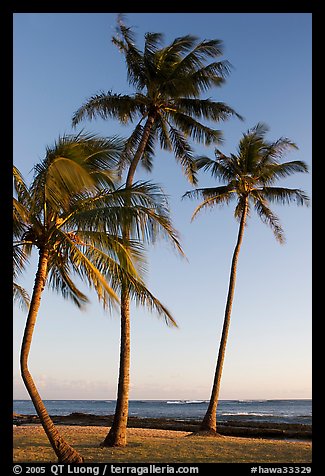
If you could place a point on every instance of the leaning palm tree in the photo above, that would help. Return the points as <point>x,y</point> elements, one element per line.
<point>249,176</point>
<point>46,218</point>
<point>75,222</point>
<point>165,107</point>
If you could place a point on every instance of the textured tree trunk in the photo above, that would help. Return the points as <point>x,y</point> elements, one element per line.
<point>209,422</point>
<point>64,452</point>
<point>139,153</point>
<point>117,434</point>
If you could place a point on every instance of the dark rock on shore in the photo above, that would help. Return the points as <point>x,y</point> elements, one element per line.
<point>230,428</point>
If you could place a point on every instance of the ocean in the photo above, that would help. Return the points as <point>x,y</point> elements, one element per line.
<point>272,411</point>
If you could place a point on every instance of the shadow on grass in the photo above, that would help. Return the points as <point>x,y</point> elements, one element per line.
<point>206,434</point>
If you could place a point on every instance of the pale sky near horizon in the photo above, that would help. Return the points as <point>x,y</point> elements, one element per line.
<point>60,60</point>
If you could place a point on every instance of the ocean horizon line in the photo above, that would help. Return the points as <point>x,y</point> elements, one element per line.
<point>188,400</point>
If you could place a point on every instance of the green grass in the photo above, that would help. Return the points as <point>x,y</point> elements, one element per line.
<point>31,445</point>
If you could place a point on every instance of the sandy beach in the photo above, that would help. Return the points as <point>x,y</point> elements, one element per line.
<point>71,430</point>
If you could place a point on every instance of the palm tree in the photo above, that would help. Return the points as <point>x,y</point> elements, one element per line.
<point>46,217</point>
<point>249,176</point>
<point>75,222</point>
<point>166,106</point>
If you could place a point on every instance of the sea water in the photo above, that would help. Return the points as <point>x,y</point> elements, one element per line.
<point>273,411</point>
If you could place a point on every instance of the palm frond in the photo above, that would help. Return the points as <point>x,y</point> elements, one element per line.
<point>240,207</point>
<point>268,217</point>
<point>183,154</point>
<point>269,173</point>
<point>194,129</point>
<point>125,42</point>
<point>211,202</point>
<point>20,218</point>
<point>75,163</point>
<point>60,281</point>
<point>20,187</point>
<point>180,46</point>
<point>208,192</point>
<point>109,105</point>
<point>151,47</point>
<point>21,296</point>
<point>184,58</point>
<point>141,208</point>
<point>91,264</point>
<point>274,151</point>
<point>64,179</point>
<point>211,196</point>
<point>100,153</point>
<point>142,296</point>
<point>205,109</point>
<point>20,260</point>
<point>197,54</point>
<point>284,196</point>
<point>213,74</point>
<point>223,168</point>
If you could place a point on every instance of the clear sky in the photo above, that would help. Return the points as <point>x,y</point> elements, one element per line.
<point>60,60</point>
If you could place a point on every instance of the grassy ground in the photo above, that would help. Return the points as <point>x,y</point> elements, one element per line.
<point>145,446</point>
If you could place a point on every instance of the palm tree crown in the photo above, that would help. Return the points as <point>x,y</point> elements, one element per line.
<point>250,175</point>
<point>168,82</point>
<point>46,216</point>
<point>70,212</point>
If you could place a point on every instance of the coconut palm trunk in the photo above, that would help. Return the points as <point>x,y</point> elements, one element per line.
<point>141,148</point>
<point>209,422</point>
<point>64,452</point>
<point>117,434</point>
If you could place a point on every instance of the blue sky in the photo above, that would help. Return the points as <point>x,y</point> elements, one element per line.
<point>62,59</point>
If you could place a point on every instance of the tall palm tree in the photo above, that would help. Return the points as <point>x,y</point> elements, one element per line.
<point>166,106</point>
<point>56,215</point>
<point>249,176</point>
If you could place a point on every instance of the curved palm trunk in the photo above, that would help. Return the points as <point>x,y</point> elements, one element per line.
<point>209,422</point>
<point>117,434</point>
<point>64,452</point>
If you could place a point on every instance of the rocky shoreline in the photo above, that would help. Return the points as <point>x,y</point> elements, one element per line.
<point>229,428</point>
